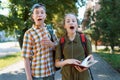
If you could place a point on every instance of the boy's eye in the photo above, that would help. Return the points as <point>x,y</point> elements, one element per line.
<point>37,12</point>
<point>42,12</point>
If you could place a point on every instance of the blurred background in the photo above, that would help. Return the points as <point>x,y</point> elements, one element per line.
<point>98,19</point>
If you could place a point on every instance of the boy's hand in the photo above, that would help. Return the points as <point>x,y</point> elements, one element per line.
<point>47,42</point>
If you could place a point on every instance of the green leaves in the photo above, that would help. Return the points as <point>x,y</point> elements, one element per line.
<point>108,21</point>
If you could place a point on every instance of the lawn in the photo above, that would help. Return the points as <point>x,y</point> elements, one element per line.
<point>10,59</point>
<point>112,59</point>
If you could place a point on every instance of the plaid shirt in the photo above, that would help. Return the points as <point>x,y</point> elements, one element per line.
<point>42,58</point>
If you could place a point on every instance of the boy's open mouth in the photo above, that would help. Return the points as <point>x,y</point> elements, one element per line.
<point>39,19</point>
<point>71,27</point>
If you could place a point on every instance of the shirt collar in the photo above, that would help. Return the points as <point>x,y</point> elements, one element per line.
<point>35,28</point>
<point>74,41</point>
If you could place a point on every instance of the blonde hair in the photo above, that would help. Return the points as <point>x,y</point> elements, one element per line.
<point>67,15</point>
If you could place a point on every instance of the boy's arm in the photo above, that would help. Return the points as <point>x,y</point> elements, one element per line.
<point>27,68</point>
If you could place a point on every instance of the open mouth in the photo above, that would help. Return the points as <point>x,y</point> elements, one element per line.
<point>71,27</point>
<point>39,19</point>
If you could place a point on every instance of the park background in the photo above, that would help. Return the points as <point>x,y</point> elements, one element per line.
<point>99,19</point>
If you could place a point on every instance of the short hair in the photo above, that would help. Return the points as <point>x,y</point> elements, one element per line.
<point>35,6</point>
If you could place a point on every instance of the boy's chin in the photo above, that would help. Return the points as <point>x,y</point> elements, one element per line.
<point>38,23</point>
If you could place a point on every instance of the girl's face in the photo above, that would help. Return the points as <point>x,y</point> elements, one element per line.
<point>71,24</point>
<point>39,16</point>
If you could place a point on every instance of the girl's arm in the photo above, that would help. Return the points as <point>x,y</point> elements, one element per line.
<point>59,63</point>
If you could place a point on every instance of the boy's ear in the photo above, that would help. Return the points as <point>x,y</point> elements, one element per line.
<point>32,18</point>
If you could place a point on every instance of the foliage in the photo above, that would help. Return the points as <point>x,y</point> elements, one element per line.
<point>107,19</point>
<point>95,35</point>
<point>19,21</point>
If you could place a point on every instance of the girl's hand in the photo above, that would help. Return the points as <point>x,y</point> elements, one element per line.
<point>80,69</point>
<point>72,61</point>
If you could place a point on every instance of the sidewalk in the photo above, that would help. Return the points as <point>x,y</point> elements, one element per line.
<point>103,71</point>
<point>7,48</point>
<point>100,71</point>
<point>17,72</point>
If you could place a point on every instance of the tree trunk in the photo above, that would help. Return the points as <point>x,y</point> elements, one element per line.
<point>112,50</point>
<point>95,45</point>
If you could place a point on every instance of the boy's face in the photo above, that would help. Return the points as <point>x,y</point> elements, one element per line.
<point>39,16</point>
<point>71,24</point>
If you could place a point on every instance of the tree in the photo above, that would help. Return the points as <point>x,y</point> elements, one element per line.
<point>19,17</point>
<point>107,19</point>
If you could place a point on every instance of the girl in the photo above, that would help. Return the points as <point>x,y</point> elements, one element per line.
<point>73,52</point>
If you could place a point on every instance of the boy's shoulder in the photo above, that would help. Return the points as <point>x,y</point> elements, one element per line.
<point>29,30</point>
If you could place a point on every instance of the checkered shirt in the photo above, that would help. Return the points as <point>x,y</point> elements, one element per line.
<point>41,56</point>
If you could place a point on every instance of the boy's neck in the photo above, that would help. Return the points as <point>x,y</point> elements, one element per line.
<point>39,26</point>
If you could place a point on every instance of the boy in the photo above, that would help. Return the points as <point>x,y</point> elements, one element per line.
<point>37,48</point>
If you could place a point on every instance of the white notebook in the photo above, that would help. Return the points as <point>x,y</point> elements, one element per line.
<point>88,61</point>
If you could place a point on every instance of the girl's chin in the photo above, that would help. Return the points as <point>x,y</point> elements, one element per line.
<point>71,32</point>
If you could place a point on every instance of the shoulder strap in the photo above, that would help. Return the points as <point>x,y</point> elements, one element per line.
<point>84,43</point>
<point>62,42</point>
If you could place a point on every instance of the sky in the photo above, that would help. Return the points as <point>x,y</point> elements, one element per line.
<point>6,10</point>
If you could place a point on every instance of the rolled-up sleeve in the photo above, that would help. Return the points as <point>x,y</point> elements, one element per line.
<point>58,52</point>
<point>27,45</point>
<point>89,46</point>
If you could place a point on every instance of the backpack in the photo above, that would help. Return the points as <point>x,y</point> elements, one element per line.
<point>83,41</point>
<point>53,37</point>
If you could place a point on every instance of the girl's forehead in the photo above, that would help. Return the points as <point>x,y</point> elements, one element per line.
<point>70,16</point>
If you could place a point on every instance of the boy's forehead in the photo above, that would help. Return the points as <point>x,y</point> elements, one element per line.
<point>39,9</point>
<point>36,6</point>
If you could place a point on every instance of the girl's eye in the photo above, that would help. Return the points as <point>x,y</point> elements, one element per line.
<point>73,20</point>
<point>68,21</point>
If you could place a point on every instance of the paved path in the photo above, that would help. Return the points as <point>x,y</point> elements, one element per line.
<point>17,72</point>
<point>100,71</point>
<point>103,71</point>
<point>7,48</point>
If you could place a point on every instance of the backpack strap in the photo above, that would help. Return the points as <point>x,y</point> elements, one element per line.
<point>84,43</point>
<point>62,42</point>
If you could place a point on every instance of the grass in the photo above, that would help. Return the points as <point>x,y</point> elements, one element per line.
<point>112,59</point>
<point>10,59</point>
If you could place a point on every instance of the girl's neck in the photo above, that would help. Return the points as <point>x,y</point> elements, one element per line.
<point>71,36</point>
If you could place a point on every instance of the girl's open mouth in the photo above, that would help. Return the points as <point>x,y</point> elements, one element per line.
<point>71,27</point>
